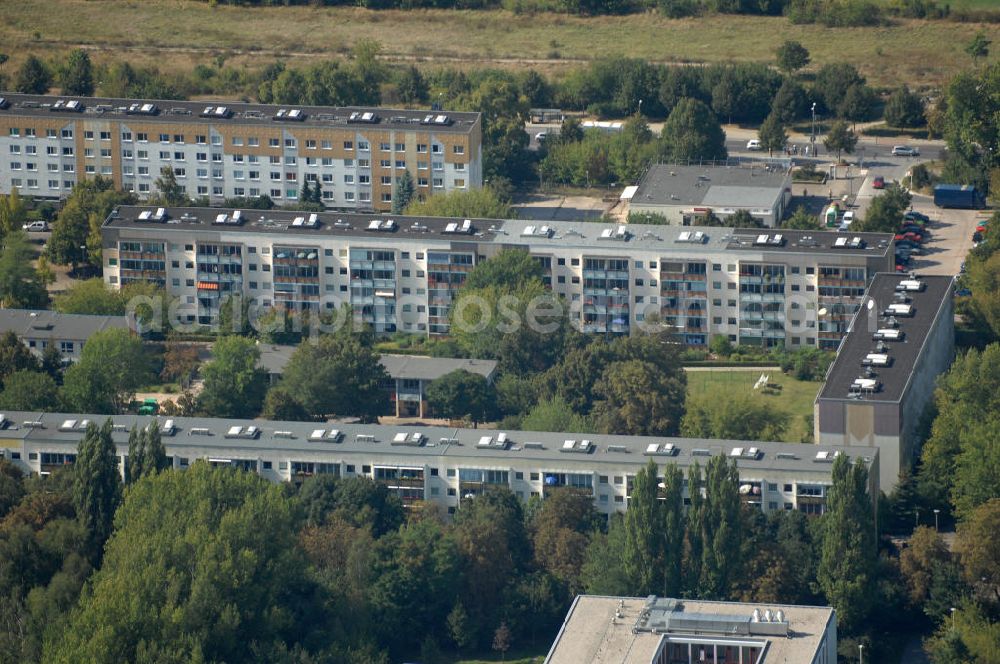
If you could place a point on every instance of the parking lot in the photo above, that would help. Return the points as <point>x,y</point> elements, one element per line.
<point>951,237</point>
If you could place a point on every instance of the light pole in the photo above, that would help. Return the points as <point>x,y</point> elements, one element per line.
<point>936,512</point>
<point>916,520</point>
<point>812,137</point>
<point>640,109</point>
<point>953,609</point>
<point>861,653</point>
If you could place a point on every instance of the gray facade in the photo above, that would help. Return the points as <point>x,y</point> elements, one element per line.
<point>885,374</point>
<point>441,464</point>
<point>792,289</point>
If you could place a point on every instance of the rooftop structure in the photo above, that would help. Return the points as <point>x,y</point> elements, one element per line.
<point>682,192</point>
<point>221,149</point>
<point>655,630</point>
<point>402,273</point>
<point>444,464</point>
<point>876,391</point>
<point>67,332</point>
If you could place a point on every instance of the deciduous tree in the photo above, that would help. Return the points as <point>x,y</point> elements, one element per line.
<point>738,419</point>
<point>20,285</point>
<point>338,375</point>
<point>772,134</point>
<point>234,384</point>
<point>33,77</point>
<point>97,484</point>
<point>29,391</point>
<point>112,366</point>
<point>792,56</point>
<point>847,562</point>
<point>840,139</point>
<point>904,108</point>
<point>691,132</point>
<point>77,75</point>
<point>462,394</point>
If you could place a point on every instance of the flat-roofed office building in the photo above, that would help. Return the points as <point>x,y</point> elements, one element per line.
<point>443,464</point>
<point>789,288</point>
<point>662,630</point>
<point>222,150</point>
<point>883,379</point>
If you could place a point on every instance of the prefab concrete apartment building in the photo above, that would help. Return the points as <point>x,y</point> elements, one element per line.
<point>766,288</point>
<point>443,465</point>
<point>222,150</point>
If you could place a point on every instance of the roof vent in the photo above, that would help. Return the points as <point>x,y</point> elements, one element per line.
<point>290,114</point>
<point>488,442</point>
<point>362,117</point>
<point>577,447</point>
<point>912,285</point>
<point>142,109</point>
<point>656,449</point>
<point>409,439</point>
<point>221,112</point>
<point>862,386</point>
<point>70,105</point>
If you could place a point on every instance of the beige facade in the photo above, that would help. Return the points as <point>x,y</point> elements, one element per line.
<point>244,152</point>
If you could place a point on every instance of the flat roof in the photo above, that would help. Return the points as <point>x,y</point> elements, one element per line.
<point>274,358</point>
<point>593,632</point>
<point>239,113</point>
<point>926,305</point>
<point>44,323</point>
<point>183,220</point>
<point>461,444</point>
<point>676,184</point>
<point>691,240</point>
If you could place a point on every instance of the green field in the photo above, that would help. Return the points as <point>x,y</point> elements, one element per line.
<point>796,396</point>
<point>177,34</point>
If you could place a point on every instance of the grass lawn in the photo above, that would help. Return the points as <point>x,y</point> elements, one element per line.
<point>175,35</point>
<point>796,397</point>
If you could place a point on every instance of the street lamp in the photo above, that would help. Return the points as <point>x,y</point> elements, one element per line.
<point>916,521</point>
<point>861,653</point>
<point>953,609</point>
<point>936,512</point>
<point>812,138</point>
<point>640,109</point>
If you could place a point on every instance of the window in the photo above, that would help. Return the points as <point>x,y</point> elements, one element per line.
<point>421,147</point>
<point>15,131</point>
<point>238,141</point>
<point>164,138</point>
<point>460,182</point>
<point>289,142</point>
<point>385,163</point>
<point>326,145</point>
<point>438,183</point>
<point>253,141</point>
<point>436,148</point>
<point>200,139</point>
<point>364,146</point>
<point>274,142</point>
<point>384,147</point>
<point>142,137</point>
<point>178,138</point>
<point>216,140</point>
<point>88,135</point>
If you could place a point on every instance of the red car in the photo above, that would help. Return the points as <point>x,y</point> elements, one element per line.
<point>878,182</point>
<point>916,237</point>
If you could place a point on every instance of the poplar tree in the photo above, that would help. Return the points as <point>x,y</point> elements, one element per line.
<point>136,454</point>
<point>97,485</point>
<point>846,570</point>
<point>721,528</point>
<point>644,545</point>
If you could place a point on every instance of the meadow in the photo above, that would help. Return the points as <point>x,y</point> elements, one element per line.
<point>174,35</point>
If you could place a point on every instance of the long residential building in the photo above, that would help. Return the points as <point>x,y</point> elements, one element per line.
<point>221,150</point>
<point>39,329</point>
<point>788,288</point>
<point>441,464</point>
<point>883,380</point>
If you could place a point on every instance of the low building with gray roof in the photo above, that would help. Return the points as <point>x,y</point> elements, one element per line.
<point>409,375</point>
<point>682,193</point>
<point>39,329</point>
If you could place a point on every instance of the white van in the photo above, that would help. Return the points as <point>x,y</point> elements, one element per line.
<point>39,226</point>
<point>754,144</point>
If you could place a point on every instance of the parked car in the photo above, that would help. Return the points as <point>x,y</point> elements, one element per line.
<point>912,228</point>
<point>878,182</point>
<point>981,228</point>
<point>916,237</point>
<point>977,237</point>
<point>754,144</point>
<point>963,292</point>
<point>40,226</point>
<point>541,136</point>
<point>913,215</point>
<point>904,151</point>
<point>848,218</point>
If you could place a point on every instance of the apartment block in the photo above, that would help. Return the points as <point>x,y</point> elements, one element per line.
<point>883,379</point>
<point>222,150</point>
<point>442,464</point>
<point>663,630</point>
<point>793,288</point>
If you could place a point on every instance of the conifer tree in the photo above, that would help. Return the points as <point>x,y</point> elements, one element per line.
<point>97,485</point>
